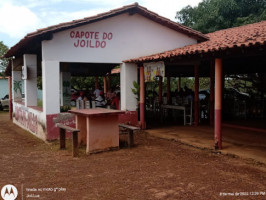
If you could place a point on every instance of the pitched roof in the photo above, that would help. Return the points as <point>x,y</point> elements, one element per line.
<point>243,36</point>
<point>45,33</point>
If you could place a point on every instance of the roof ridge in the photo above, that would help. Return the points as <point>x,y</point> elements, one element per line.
<point>115,11</point>
<point>81,20</point>
<point>250,35</point>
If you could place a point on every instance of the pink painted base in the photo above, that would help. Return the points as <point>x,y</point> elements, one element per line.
<point>218,129</point>
<point>130,117</point>
<point>52,131</point>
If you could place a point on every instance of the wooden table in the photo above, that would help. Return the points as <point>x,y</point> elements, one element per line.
<point>176,107</point>
<point>98,128</point>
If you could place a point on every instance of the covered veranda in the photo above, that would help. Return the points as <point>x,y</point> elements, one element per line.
<point>235,51</point>
<point>249,144</point>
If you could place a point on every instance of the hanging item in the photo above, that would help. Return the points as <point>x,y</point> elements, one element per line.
<point>153,70</point>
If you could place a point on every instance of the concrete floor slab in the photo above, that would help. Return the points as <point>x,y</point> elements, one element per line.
<point>246,144</point>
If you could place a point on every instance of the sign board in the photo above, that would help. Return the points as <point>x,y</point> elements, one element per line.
<point>153,70</point>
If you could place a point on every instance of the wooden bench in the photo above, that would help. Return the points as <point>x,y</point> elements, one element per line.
<point>63,129</point>
<point>130,131</point>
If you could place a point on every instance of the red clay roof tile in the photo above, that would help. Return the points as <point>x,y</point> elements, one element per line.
<point>243,36</point>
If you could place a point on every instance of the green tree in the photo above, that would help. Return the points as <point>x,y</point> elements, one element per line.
<point>3,61</point>
<point>88,83</point>
<point>213,15</point>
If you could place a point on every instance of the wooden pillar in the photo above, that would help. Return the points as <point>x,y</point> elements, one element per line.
<point>10,97</point>
<point>104,86</point>
<point>62,138</point>
<point>142,98</point>
<point>211,104</point>
<point>218,104</point>
<point>109,82</point>
<point>168,89</point>
<point>196,95</point>
<point>160,89</point>
<point>96,82</point>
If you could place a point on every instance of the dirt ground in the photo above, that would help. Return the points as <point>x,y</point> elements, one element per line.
<point>153,169</point>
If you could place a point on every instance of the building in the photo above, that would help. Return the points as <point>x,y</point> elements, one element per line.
<point>91,46</point>
<point>132,37</point>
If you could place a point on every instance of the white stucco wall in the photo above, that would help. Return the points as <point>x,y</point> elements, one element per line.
<point>108,41</point>
<point>51,87</point>
<point>132,36</point>
<point>128,74</point>
<point>30,86</point>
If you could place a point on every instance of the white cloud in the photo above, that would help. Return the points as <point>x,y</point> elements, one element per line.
<point>17,20</point>
<point>21,17</point>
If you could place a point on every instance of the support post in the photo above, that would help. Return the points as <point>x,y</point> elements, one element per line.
<point>218,104</point>
<point>211,106</point>
<point>50,79</point>
<point>160,89</point>
<point>168,89</point>
<point>10,97</point>
<point>109,82</point>
<point>96,82</point>
<point>142,98</point>
<point>196,95</point>
<point>30,63</point>
<point>104,86</point>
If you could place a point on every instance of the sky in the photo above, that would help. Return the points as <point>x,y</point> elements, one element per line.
<point>19,17</point>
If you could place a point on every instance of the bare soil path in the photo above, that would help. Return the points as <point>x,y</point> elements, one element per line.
<point>153,169</point>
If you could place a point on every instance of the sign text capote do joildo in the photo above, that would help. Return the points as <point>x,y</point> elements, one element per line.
<point>90,39</point>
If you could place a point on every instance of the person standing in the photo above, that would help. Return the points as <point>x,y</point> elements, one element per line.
<point>100,101</point>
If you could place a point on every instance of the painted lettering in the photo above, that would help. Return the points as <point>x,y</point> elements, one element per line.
<point>103,44</point>
<point>81,34</point>
<point>97,35</point>
<point>82,43</point>
<point>76,44</point>
<point>72,34</point>
<point>90,39</point>
<point>90,44</point>
<point>85,34</point>
<point>108,36</point>
<point>27,119</point>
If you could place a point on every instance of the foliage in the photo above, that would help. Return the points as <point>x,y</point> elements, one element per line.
<point>213,15</point>
<point>65,108</point>
<point>253,84</point>
<point>136,89</point>
<point>88,83</point>
<point>39,82</point>
<point>3,61</point>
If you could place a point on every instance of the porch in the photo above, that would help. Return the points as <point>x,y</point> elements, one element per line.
<point>246,144</point>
